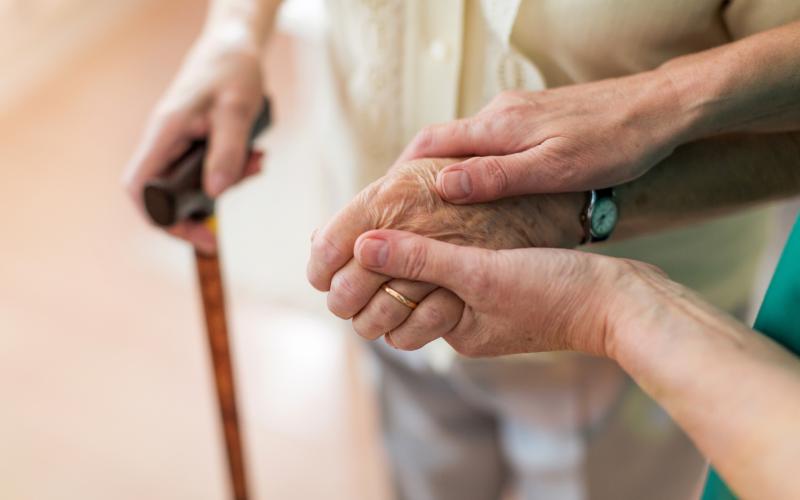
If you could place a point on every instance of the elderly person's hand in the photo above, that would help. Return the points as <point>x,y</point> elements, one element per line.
<point>572,138</point>
<point>515,301</point>
<point>217,94</point>
<point>405,199</point>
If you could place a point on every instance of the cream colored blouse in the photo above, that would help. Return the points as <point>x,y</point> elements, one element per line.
<point>404,64</point>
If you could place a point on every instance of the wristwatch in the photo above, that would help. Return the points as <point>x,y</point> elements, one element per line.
<point>600,216</point>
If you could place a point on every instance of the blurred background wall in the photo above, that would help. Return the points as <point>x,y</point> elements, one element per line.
<point>105,388</point>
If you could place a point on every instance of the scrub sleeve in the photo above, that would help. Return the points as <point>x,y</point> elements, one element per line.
<point>778,319</point>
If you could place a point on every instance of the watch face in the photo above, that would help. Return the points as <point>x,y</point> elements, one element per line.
<point>604,218</point>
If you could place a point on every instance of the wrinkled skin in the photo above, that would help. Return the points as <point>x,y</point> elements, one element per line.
<point>661,333</point>
<point>567,139</point>
<point>216,95</point>
<point>406,199</point>
<point>516,301</point>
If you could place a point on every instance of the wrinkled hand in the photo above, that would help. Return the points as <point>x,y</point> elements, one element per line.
<point>515,301</point>
<point>217,94</point>
<point>405,199</point>
<point>572,138</point>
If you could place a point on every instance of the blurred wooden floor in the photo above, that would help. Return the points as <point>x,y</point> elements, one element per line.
<point>104,379</point>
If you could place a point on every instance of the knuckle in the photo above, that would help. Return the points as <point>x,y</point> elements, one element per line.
<point>495,115</point>
<point>367,200</point>
<point>336,308</point>
<point>406,342</point>
<point>496,176</point>
<point>424,139</point>
<point>314,275</point>
<point>324,251</point>
<point>316,280</point>
<point>415,262</point>
<point>514,107</point>
<point>507,98</point>
<point>433,318</point>
<point>341,296</point>
<point>389,312</point>
<point>373,323</point>
<point>366,329</point>
<point>499,100</point>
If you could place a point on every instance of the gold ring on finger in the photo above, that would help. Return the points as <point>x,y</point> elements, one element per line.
<point>399,297</point>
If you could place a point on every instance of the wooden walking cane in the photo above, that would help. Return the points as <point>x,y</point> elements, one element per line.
<point>179,196</point>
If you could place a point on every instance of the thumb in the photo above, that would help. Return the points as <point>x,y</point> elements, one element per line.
<point>489,178</point>
<point>406,255</point>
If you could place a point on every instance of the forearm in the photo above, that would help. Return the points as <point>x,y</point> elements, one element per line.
<point>746,86</point>
<point>743,90</point>
<point>735,392</point>
<point>710,178</point>
<point>251,19</point>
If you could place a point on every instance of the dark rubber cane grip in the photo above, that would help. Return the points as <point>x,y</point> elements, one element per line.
<point>178,195</point>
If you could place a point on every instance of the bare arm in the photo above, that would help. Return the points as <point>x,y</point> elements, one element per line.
<point>751,85</point>
<point>745,90</point>
<point>710,178</point>
<point>742,101</point>
<point>735,392</point>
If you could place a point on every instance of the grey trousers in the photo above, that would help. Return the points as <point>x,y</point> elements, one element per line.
<point>570,427</point>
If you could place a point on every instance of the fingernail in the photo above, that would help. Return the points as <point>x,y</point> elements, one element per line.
<point>374,252</point>
<point>456,184</point>
<point>388,339</point>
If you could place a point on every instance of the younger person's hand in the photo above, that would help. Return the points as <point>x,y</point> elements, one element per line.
<point>572,138</point>
<point>515,301</point>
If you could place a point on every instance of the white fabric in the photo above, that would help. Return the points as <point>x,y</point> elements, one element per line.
<point>404,64</point>
<point>400,65</point>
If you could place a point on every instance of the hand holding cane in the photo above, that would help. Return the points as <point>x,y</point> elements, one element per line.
<point>177,196</point>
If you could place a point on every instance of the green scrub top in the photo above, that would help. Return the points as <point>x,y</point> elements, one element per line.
<point>777,319</point>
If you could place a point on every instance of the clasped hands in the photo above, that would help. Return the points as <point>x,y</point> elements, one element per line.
<point>457,258</point>
<point>459,264</point>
